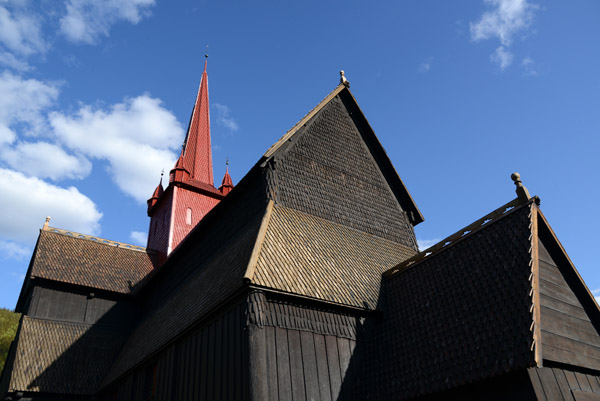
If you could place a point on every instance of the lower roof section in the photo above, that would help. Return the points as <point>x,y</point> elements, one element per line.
<point>62,357</point>
<point>310,256</point>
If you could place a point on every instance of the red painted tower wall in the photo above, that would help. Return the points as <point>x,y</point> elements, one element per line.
<point>183,221</point>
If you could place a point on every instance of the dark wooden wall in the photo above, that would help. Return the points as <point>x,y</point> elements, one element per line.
<point>209,363</point>
<point>301,365</point>
<point>299,352</point>
<point>568,335</point>
<point>77,306</point>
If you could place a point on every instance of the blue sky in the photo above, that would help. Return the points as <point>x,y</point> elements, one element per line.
<point>95,98</point>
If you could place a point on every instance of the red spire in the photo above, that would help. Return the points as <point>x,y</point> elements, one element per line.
<point>156,194</point>
<point>197,157</point>
<point>227,184</point>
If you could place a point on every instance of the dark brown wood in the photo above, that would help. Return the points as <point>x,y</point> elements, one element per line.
<point>563,384</point>
<point>210,365</point>
<point>283,365</point>
<point>565,350</point>
<point>551,388</point>
<point>296,367</point>
<point>568,326</point>
<point>585,396</point>
<point>258,363</point>
<point>271,350</point>
<point>550,302</point>
<point>311,376</point>
<point>204,365</point>
<point>333,362</point>
<point>322,367</point>
<point>583,381</point>
<point>536,383</point>
<point>345,354</point>
<point>593,380</point>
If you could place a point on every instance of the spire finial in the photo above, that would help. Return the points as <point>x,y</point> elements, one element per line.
<point>343,79</point>
<point>206,52</point>
<point>45,227</point>
<point>522,192</point>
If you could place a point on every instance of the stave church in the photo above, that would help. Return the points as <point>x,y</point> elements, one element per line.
<point>304,282</point>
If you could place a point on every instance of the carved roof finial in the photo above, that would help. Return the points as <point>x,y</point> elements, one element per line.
<point>45,227</point>
<point>522,192</point>
<point>343,79</point>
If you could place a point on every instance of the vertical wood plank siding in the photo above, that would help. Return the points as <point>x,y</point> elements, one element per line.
<point>568,335</point>
<point>207,364</point>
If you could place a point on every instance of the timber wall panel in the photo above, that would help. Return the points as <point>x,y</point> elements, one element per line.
<point>568,335</point>
<point>205,364</point>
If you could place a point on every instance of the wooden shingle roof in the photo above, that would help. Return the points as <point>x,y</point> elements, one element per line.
<point>310,256</point>
<point>77,259</point>
<point>56,357</point>
<point>462,314</point>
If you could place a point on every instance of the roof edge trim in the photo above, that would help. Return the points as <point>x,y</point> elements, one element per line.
<point>96,239</point>
<point>260,239</point>
<point>536,328</point>
<point>460,234</point>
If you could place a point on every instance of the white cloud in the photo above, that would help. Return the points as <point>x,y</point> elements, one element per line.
<point>503,21</point>
<point>12,250</point>
<point>45,160</point>
<point>529,68</point>
<point>224,118</point>
<point>88,20</point>
<point>426,65</point>
<point>596,294</point>
<point>135,138</point>
<point>20,31</point>
<point>506,19</point>
<point>9,60</point>
<point>139,237</point>
<point>21,103</point>
<point>26,201</point>
<point>502,57</point>
<point>426,243</point>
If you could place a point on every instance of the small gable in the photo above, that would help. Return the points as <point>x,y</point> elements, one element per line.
<point>327,169</point>
<point>568,335</point>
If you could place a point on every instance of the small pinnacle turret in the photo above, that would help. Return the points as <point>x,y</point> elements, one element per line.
<point>227,184</point>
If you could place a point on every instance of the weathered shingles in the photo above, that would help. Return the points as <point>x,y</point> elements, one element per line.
<point>311,256</point>
<point>90,263</point>
<point>55,356</point>
<point>330,173</point>
<point>459,316</point>
<point>212,281</point>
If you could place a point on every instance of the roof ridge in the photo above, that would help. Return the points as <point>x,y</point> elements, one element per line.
<point>303,120</point>
<point>98,240</point>
<point>465,232</point>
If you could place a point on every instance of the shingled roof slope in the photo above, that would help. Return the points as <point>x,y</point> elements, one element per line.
<point>336,158</point>
<point>54,356</point>
<point>314,257</point>
<point>91,263</point>
<point>205,270</point>
<point>459,315</point>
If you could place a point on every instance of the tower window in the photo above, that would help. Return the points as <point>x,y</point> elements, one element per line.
<point>188,216</point>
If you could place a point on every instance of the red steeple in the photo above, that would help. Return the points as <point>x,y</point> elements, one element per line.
<point>197,155</point>
<point>190,194</point>
<point>227,184</point>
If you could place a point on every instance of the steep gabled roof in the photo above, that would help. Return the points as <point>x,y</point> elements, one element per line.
<point>88,261</point>
<point>387,170</point>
